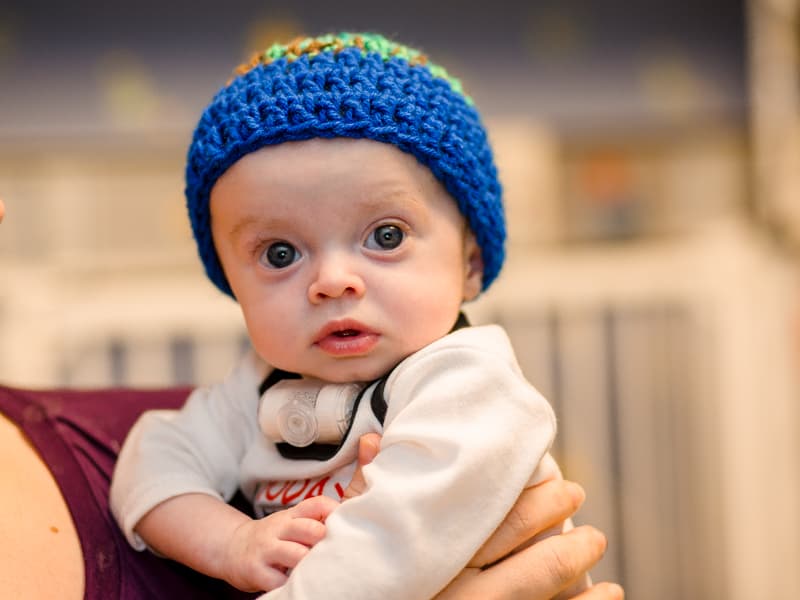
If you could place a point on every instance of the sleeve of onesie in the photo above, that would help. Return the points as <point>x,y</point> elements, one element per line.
<point>464,434</point>
<point>196,449</point>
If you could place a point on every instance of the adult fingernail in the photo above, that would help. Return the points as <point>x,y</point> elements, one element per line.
<point>577,492</point>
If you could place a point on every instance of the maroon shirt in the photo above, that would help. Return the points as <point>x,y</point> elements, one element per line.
<point>78,435</point>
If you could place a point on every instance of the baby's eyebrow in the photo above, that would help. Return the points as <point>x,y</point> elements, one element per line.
<point>248,222</point>
<point>240,226</point>
<point>383,198</point>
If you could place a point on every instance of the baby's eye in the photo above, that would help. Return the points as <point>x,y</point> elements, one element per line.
<point>385,237</point>
<point>280,255</point>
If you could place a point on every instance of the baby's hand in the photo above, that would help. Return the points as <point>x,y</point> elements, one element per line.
<point>261,551</point>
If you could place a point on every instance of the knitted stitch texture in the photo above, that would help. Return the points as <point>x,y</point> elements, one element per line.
<point>354,86</point>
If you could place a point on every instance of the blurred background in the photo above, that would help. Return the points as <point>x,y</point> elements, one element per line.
<point>650,153</point>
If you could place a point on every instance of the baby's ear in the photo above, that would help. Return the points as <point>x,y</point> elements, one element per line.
<point>473,265</point>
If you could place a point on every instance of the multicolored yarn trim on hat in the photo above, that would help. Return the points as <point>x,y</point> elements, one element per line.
<point>356,86</point>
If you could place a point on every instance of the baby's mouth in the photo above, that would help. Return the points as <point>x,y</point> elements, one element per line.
<point>346,333</point>
<point>342,328</point>
<point>346,337</point>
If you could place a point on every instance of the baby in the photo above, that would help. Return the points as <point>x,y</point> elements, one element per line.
<point>342,190</point>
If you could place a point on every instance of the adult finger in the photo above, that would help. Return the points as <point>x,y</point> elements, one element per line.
<point>537,509</point>
<point>602,591</point>
<point>368,447</point>
<point>538,572</point>
<point>2,210</point>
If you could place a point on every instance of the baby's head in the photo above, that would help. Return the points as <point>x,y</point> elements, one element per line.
<point>354,86</point>
<point>356,148</point>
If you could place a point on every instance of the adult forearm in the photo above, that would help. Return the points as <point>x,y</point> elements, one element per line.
<point>193,529</point>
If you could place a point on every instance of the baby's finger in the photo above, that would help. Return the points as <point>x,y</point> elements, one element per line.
<point>318,508</point>
<point>304,531</point>
<point>271,578</point>
<point>286,555</point>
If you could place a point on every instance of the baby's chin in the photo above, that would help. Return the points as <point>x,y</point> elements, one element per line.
<point>352,370</point>
<point>348,376</point>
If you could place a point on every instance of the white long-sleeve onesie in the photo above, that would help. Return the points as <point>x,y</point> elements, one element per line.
<point>464,434</point>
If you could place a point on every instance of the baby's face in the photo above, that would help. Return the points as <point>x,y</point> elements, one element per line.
<point>345,255</point>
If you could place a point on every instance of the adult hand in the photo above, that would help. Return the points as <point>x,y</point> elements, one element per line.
<point>2,211</point>
<point>543,569</point>
<point>368,447</point>
<point>538,572</point>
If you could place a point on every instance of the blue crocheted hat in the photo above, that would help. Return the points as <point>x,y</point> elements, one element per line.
<point>356,86</point>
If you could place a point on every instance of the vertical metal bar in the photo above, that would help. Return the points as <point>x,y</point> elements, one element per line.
<point>182,357</point>
<point>555,352</point>
<point>118,361</point>
<point>610,325</point>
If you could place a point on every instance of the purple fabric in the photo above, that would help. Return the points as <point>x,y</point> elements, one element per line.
<point>79,434</point>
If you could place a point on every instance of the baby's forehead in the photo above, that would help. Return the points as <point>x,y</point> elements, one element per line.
<point>355,177</point>
<point>333,163</point>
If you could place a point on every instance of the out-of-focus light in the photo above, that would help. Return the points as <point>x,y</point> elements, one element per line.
<point>127,90</point>
<point>264,32</point>
<point>606,178</point>
<point>671,87</point>
<point>554,34</point>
